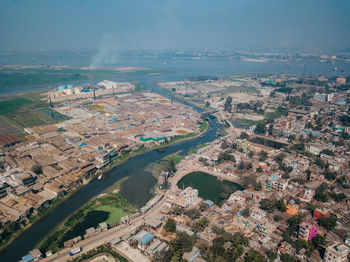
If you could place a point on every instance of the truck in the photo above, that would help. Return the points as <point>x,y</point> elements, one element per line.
<point>75,251</point>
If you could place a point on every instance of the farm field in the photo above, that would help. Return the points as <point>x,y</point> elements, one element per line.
<point>28,110</point>
<point>7,128</point>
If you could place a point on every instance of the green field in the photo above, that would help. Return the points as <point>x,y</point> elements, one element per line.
<point>26,111</point>
<point>115,213</point>
<point>14,104</point>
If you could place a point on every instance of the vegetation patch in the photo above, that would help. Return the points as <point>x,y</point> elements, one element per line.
<point>115,213</point>
<point>14,104</point>
<point>268,142</point>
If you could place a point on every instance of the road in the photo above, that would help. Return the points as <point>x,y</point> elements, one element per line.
<point>119,231</point>
<point>105,237</point>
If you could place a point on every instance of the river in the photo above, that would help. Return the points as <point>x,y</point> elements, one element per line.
<point>140,183</point>
<point>137,188</point>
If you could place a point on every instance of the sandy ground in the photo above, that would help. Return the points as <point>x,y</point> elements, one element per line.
<point>103,258</point>
<point>131,253</point>
<point>249,116</point>
<point>242,97</point>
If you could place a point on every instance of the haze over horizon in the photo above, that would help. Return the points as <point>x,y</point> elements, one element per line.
<point>198,24</point>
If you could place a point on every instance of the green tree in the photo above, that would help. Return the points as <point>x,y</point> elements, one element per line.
<point>228,104</point>
<point>260,129</point>
<point>193,213</point>
<point>271,255</point>
<point>183,243</point>
<point>172,164</point>
<point>287,258</point>
<point>245,212</point>
<point>37,169</point>
<point>280,205</point>
<point>293,224</point>
<point>270,130</point>
<point>263,155</point>
<point>253,256</point>
<point>328,223</point>
<point>170,225</point>
<point>244,135</point>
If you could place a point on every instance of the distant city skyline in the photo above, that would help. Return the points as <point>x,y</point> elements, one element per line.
<point>198,24</point>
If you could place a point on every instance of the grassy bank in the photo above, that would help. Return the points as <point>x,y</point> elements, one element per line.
<point>114,204</point>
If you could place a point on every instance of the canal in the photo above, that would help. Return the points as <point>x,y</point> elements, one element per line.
<point>137,189</point>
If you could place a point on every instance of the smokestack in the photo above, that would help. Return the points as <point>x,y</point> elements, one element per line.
<point>51,105</point>
<point>93,81</point>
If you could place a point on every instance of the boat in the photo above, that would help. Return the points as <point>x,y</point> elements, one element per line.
<point>99,177</point>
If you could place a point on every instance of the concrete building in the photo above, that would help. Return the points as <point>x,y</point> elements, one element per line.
<point>277,183</point>
<point>187,197</point>
<point>307,231</point>
<point>320,97</point>
<point>314,148</point>
<point>337,253</point>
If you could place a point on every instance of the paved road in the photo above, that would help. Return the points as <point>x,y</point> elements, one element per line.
<point>119,231</point>
<point>105,237</point>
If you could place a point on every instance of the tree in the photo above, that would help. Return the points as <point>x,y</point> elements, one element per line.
<point>200,225</point>
<point>337,197</point>
<point>271,255</point>
<point>245,212</point>
<point>226,156</point>
<point>267,204</point>
<point>37,169</point>
<point>308,174</point>
<point>253,256</point>
<point>293,223</point>
<point>193,213</point>
<point>259,169</point>
<point>328,223</point>
<point>270,130</point>
<point>260,129</point>
<point>329,175</point>
<point>172,164</point>
<point>319,242</point>
<point>170,225</point>
<point>263,155</point>
<point>244,135</point>
<point>280,205</point>
<point>228,104</point>
<point>287,258</point>
<point>183,243</point>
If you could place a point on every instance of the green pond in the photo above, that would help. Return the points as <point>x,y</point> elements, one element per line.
<point>209,187</point>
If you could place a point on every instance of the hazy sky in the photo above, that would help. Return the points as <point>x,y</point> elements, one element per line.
<point>149,24</point>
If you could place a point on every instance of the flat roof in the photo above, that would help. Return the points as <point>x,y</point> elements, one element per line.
<point>146,239</point>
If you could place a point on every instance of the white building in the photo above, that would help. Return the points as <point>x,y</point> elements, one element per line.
<point>337,253</point>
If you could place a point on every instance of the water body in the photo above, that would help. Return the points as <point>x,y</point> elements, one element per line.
<point>136,191</point>
<point>176,68</point>
<point>208,186</point>
<point>92,219</point>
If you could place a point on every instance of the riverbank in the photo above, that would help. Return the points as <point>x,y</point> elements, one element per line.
<point>36,218</point>
<point>112,203</point>
<point>77,217</point>
<point>136,189</point>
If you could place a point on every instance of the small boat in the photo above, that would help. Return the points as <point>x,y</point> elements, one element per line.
<point>99,177</point>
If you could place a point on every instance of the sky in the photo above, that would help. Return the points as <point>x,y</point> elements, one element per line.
<point>48,25</point>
